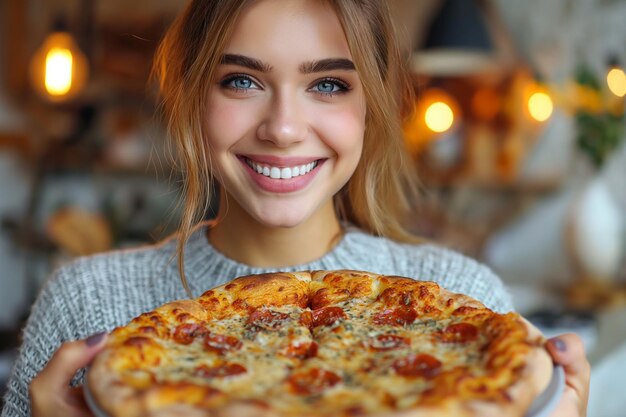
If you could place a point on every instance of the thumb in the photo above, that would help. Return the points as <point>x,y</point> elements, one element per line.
<point>568,351</point>
<point>72,356</point>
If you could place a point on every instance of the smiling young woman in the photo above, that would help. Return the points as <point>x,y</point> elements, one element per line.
<point>313,89</point>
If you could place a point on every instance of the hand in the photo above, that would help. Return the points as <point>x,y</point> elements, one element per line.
<point>50,392</point>
<point>568,351</point>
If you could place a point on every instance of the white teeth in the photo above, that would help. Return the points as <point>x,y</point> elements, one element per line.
<point>282,173</point>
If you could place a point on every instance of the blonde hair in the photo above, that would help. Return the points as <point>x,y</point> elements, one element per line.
<point>383,187</point>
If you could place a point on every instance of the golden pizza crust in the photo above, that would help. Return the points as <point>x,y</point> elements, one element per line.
<point>521,357</point>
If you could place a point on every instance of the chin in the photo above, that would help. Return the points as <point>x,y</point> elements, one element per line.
<point>282,222</point>
<point>281,218</point>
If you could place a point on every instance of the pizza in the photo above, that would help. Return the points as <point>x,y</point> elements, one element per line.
<point>321,343</point>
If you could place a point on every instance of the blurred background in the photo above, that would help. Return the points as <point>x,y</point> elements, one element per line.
<point>517,133</point>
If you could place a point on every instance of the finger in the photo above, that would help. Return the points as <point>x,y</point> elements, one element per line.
<point>70,357</point>
<point>568,351</point>
<point>71,403</point>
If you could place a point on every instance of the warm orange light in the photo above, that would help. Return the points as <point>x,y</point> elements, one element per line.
<point>540,106</point>
<point>58,72</point>
<point>486,103</point>
<point>435,112</point>
<point>616,80</point>
<point>59,69</point>
<point>439,117</point>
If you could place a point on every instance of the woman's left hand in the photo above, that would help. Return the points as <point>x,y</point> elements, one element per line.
<point>568,351</point>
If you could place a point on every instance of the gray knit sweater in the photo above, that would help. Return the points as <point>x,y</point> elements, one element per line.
<point>98,293</point>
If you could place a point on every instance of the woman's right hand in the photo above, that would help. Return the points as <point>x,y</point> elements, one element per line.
<point>50,391</point>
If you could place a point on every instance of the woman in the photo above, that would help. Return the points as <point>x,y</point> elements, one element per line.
<point>293,109</point>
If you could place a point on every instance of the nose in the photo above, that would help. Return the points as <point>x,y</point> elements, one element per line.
<point>285,121</point>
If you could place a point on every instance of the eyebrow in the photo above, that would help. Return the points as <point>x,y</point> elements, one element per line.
<point>329,64</point>
<point>245,61</point>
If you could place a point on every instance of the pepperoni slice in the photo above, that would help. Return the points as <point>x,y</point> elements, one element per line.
<point>313,381</point>
<point>458,333</point>
<point>399,316</point>
<point>220,371</point>
<point>267,319</point>
<point>138,341</point>
<point>417,364</point>
<point>242,305</point>
<point>392,296</point>
<point>186,333</point>
<point>304,350</point>
<point>384,342</point>
<point>327,315</point>
<point>221,343</point>
<point>306,319</point>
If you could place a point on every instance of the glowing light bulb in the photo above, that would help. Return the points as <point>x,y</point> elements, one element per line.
<point>439,117</point>
<point>58,72</point>
<point>616,80</point>
<point>540,106</point>
<point>59,69</point>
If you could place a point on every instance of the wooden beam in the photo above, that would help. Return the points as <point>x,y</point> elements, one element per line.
<point>18,143</point>
<point>15,37</point>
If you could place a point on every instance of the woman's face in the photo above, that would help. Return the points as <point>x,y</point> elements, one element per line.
<point>286,112</point>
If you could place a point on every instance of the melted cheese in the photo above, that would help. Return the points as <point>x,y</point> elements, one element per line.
<point>356,361</point>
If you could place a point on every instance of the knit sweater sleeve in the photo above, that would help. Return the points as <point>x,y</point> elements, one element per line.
<point>53,320</point>
<point>461,274</point>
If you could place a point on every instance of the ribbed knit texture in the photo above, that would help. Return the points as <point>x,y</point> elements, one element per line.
<point>100,292</point>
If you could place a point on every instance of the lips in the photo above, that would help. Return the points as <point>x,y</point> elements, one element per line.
<point>279,174</point>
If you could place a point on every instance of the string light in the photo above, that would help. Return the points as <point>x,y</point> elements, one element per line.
<point>439,117</point>
<point>616,81</point>
<point>435,112</point>
<point>540,106</point>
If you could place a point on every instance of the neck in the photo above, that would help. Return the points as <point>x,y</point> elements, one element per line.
<point>244,239</point>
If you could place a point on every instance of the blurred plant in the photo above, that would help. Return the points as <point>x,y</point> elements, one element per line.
<point>599,119</point>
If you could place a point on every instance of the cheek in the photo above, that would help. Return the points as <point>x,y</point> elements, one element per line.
<point>343,131</point>
<point>227,122</point>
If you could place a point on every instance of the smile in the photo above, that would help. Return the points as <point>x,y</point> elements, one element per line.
<point>284,173</point>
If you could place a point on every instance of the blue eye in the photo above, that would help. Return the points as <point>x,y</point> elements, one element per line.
<point>327,87</point>
<point>239,82</point>
<point>242,83</point>
<point>330,86</point>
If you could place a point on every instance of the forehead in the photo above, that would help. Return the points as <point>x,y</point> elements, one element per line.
<point>295,29</point>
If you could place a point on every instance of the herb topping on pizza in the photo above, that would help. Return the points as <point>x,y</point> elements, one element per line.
<point>322,343</point>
